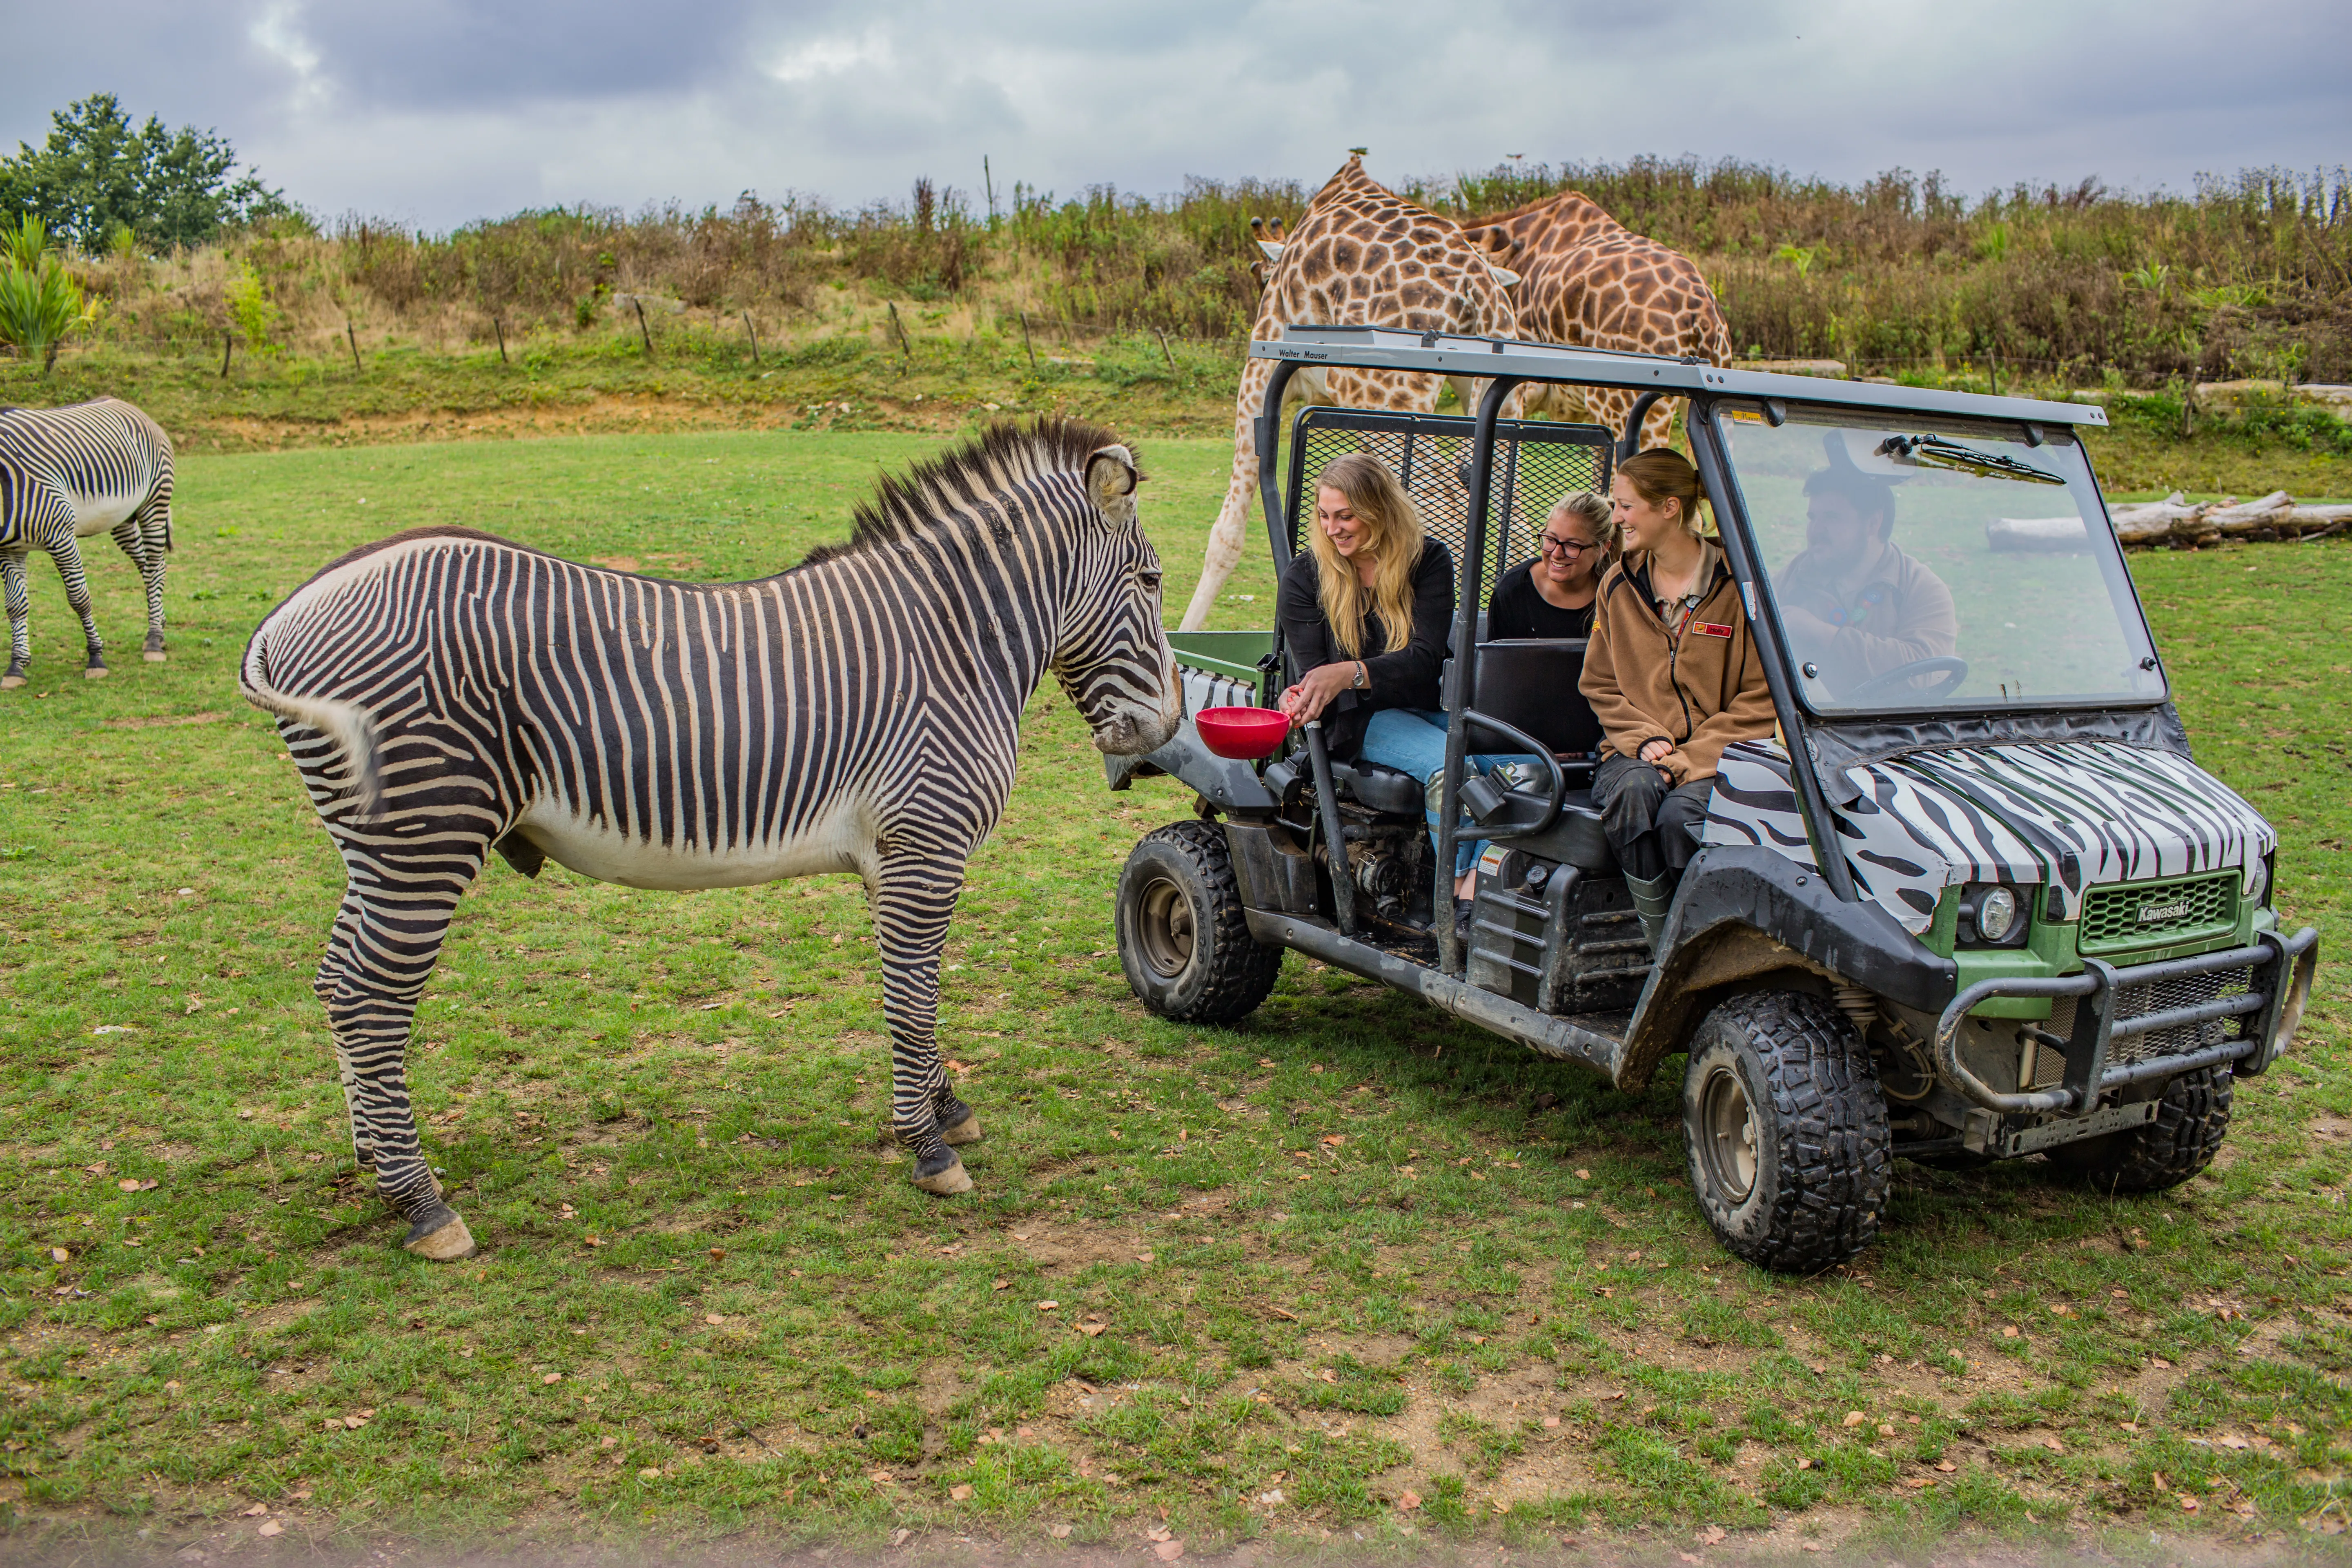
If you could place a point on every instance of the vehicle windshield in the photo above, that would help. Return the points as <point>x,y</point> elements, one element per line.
<point>1927,563</point>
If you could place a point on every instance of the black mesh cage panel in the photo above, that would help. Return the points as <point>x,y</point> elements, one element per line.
<point>1536,463</point>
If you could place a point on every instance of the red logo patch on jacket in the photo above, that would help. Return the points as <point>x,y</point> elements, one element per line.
<point>1711,630</point>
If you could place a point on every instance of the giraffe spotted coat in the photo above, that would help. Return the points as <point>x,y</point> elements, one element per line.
<point>1360,255</point>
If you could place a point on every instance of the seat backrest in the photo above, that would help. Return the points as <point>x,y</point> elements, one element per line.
<point>1537,462</point>
<point>1531,682</point>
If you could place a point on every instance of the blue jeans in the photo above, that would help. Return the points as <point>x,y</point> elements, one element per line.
<point>1413,741</point>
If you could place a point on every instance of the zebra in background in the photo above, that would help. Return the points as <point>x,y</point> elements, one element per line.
<point>67,473</point>
<point>447,693</point>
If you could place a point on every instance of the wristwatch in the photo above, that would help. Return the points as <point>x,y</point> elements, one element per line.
<point>1363,677</point>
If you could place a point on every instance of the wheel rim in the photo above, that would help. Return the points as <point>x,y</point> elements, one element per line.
<point>1164,928</point>
<point>1727,1135</point>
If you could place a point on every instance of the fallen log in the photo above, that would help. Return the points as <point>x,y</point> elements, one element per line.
<point>2268,513</point>
<point>2155,522</point>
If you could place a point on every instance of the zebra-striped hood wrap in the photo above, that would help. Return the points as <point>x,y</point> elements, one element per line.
<point>2072,815</point>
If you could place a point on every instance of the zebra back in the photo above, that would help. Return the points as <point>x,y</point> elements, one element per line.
<point>451,670</point>
<point>103,450</point>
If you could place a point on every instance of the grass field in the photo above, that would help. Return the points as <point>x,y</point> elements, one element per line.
<point>1348,1270</point>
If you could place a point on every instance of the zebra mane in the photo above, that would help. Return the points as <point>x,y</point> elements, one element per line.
<point>1005,454</point>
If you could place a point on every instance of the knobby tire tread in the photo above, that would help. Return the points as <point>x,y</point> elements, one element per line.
<point>1241,969</point>
<point>2191,1119</point>
<point>1830,1122</point>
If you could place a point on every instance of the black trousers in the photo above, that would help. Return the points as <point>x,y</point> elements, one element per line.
<point>1653,829</point>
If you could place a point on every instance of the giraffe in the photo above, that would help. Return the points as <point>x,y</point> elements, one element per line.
<point>1360,256</point>
<point>1587,282</point>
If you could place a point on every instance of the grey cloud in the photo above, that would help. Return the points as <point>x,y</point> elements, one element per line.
<point>453,111</point>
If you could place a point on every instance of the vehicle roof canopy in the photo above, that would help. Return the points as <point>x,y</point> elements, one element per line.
<point>1390,348</point>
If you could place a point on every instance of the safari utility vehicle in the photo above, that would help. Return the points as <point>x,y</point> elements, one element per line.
<point>1977,906</point>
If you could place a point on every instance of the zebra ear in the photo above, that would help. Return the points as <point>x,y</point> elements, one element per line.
<point>1110,477</point>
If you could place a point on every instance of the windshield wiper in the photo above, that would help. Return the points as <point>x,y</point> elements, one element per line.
<point>1940,452</point>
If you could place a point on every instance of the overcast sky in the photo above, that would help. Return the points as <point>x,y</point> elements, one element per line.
<point>437,111</point>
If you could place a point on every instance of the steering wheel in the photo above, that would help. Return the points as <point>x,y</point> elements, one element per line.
<point>1954,670</point>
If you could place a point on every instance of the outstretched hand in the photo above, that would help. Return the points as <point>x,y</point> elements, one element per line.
<point>1305,702</point>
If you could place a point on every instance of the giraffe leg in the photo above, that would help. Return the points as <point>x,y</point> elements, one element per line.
<point>914,892</point>
<point>1225,538</point>
<point>397,904</point>
<point>20,609</point>
<point>66,553</point>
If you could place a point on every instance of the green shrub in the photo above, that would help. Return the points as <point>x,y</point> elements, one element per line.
<point>40,304</point>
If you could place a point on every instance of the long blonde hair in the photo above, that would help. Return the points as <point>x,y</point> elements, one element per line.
<point>1392,532</point>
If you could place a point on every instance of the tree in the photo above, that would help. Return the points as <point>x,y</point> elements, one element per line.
<point>97,172</point>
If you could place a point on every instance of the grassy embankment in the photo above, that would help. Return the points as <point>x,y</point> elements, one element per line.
<point>1279,1280</point>
<point>851,374</point>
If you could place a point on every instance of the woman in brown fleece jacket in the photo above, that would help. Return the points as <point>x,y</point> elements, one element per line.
<point>1671,673</point>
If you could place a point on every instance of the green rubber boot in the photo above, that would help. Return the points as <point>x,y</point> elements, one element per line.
<point>1653,897</point>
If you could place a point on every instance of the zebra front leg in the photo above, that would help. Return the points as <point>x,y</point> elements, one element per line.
<point>20,610</point>
<point>387,936</point>
<point>913,895</point>
<point>66,553</point>
<point>142,539</point>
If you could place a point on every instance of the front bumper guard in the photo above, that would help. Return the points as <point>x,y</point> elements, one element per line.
<point>2273,1011</point>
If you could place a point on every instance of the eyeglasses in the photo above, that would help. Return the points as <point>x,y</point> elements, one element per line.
<point>1553,544</point>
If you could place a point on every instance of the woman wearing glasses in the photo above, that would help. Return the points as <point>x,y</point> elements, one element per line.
<point>1552,595</point>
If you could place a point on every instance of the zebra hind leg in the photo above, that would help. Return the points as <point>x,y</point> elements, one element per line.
<point>387,937</point>
<point>913,895</point>
<point>142,539</point>
<point>20,611</point>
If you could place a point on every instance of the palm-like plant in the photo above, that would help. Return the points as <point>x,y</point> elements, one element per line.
<point>40,304</point>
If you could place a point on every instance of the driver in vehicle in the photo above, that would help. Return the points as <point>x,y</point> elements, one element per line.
<point>1671,673</point>
<point>1365,611</point>
<point>1852,604</point>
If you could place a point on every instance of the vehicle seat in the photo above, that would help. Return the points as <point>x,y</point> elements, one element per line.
<point>1574,838</point>
<point>1379,786</point>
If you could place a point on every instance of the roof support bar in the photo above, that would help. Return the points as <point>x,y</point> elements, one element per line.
<point>1268,430</point>
<point>1472,569</point>
<point>1731,523</point>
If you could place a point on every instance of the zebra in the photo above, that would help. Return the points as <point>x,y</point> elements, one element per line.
<point>67,473</point>
<point>446,692</point>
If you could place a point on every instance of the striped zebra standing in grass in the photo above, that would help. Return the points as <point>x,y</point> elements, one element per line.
<point>447,693</point>
<point>67,473</point>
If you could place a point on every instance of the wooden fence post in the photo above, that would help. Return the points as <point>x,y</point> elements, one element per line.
<point>1163,352</point>
<point>642,331</point>
<point>1026,344</point>
<point>228,339</point>
<point>497,327</point>
<point>353,339</point>
<point>904,346</point>
<point>753,332</point>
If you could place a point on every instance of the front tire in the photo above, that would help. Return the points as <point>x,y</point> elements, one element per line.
<point>1183,938</point>
<point>2187,1134</point>
<point>1785,1131</point>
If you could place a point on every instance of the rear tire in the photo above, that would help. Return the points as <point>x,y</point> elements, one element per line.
<point>2187,1134</point>
<point>1785,1131</point>
<point>1183,938</point>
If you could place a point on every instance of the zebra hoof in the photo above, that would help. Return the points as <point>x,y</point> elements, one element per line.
<point>153,656</point>
<point>96,672</point>
<point>947,1182</point>
<point>963,1132</point>
<point>446,1243</point>
<point>10,683</point>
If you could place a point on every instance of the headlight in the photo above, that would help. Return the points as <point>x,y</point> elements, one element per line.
<point>2258,882</point>
<point>1996,914</point>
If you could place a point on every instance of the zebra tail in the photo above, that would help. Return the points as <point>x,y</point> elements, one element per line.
<point>349,726</point>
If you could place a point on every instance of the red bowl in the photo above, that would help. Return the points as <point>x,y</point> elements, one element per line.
<point>1245,734</point>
